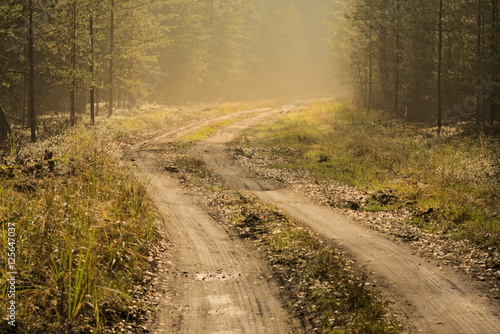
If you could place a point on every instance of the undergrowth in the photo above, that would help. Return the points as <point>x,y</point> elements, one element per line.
<point>83,231</point>
<point>449,183</point>
<point>129,126</point>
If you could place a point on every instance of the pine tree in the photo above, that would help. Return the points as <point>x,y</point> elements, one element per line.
<point>442,52</point>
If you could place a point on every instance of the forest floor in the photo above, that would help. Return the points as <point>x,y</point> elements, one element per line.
<point>229,265</point>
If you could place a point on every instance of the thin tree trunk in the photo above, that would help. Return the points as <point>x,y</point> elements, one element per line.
<point>96,88</point>
<point>365,92</point>
<point>72,116</point>
<point>31,64</point>
<point>440,67</point>
<point>479,60</point>
<point>4,125</point>
<point>111,57</point>
<point>92,87</point>
<point>370,72</point>
<point>26,81</point>
<point>385,77</point>
<point>495,40</point>
<point>397,61</point>
<point>97,110</point>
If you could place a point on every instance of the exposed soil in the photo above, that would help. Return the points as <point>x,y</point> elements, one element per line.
<point>208,281</point>
<point>213,283</point>
<point>463,255</point>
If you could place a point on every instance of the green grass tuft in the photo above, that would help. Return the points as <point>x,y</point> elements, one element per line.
<point>457,176</point>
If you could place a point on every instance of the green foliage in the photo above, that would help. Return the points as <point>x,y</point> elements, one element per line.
<point>173,51</point>
<point>205,132</point>
<point>61,28</point>
<point>457,176</point>
<point>393,46</point>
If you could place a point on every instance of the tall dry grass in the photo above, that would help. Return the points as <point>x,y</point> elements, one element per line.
<point>84,229</point>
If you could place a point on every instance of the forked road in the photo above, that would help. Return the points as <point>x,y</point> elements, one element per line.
<point>210,282</point>
<point>434,299</point>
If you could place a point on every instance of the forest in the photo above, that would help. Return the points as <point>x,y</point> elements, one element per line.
<point>83,56</point>
<point>155,151</point>
<point>422,60</point>
<point>425,60</point>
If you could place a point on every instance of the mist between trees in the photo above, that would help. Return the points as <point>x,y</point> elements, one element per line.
<point>426,60</point>
<point>417,59</point>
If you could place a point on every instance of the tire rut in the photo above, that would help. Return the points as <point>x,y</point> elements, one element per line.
<point>434,299</point>
<point>216,285</point>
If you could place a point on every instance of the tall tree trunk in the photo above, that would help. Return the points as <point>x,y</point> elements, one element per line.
<point>440,67</point>
<point>72,99</point>
<point>92,87</point>
<point>365,78</point>
<point>385,77</point>
<point>479,60</point>
<point>96,88</point>
<point>97,110</point>
<point>111,56</point>
<point>31,64</point>
<point>495,41</point>
<point>26,82</point>
<point>397,61</point>
<point>4,125</point>
<point>366,81</point>
<point>370,72</point>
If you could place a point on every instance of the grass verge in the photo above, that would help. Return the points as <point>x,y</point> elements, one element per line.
<point>450,184</point>
<point>83,230</point>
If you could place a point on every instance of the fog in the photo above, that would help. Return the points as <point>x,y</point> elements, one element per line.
<point>90,56</point>
<point>247,50</point>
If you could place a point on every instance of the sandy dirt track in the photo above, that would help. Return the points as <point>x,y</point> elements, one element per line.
<point>214,283</point>
<point>434,299</point>
<point>219,286</point>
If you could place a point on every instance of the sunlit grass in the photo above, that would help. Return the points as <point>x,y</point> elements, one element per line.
<point>231,107</point>
<point>151,118</point>
<point>84,231</point>
<point>206,131</point>
<point>457,176</point>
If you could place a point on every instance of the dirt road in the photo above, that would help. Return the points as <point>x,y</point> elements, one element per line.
<point>222,288</point>
<point>212,282</point>
<point>434,298</point>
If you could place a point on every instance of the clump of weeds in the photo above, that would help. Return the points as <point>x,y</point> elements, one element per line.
<point>83,229</point>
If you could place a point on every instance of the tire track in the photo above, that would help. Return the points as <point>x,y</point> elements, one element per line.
<point>434,299</point>
<point>217,285</point>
